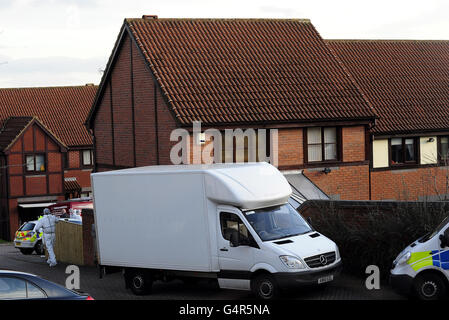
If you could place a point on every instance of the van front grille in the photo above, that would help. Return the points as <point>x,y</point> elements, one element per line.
<point>320,260</point>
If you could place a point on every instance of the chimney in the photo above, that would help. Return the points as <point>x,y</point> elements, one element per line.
<point>149,17</point>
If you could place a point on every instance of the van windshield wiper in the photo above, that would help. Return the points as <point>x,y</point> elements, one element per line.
<point>292,235</point>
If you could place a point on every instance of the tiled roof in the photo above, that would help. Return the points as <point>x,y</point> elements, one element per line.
<point>11,129</point>
<point>406,81</point>
<point>61,109</point>
<point>247,70</point>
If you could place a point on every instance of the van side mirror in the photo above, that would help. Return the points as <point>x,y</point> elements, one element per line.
<point>234,238</point>
<point>444,238</point>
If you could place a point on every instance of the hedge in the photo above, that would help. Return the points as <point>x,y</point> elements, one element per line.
<point>373,232</point>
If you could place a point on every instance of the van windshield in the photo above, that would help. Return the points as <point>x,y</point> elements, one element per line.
<point>436,231</point>
<point>277,222</point>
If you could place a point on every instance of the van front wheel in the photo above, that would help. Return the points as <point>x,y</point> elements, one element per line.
<point>429,287</point>
<point>264,287</point>
<point>140,282</point>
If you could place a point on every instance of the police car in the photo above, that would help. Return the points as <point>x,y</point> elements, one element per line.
<point>27,241</point>
<point>423,267</point>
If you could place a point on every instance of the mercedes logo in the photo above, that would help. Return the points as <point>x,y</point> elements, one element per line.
<point>323,260</point>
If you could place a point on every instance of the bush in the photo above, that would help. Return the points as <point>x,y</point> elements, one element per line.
<point>374,232</point>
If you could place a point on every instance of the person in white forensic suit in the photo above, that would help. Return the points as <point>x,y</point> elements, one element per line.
<point>48,225</point>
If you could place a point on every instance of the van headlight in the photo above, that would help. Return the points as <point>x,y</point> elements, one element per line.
<point>292,262</point>
<point>403,258</point>
<point>337,253</point>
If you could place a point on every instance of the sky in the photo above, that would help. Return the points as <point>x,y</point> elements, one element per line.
<point>68,42</point>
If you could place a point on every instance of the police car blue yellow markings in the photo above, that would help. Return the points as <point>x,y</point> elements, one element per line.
<point>436,258</point>
<point>444,259</point>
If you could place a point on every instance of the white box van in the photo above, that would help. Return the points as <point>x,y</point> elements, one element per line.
<point>230,222</point>
<point>423,267</point>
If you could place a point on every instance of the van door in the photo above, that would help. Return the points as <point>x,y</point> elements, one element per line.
<point>235,262</point>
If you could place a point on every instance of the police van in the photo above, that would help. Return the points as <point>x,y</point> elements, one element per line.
<point>423,267</point>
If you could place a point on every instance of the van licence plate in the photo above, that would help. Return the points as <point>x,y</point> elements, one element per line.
<point>325,279</point>
<point>18,243</point>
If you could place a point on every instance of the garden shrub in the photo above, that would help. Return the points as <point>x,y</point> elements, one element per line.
<point>373,232</point>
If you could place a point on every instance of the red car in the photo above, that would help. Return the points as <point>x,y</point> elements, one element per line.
<point>76,204</point>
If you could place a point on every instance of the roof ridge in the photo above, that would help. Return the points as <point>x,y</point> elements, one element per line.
<point>51,87</point>
<point>303,20</point>
<point>384,40</point>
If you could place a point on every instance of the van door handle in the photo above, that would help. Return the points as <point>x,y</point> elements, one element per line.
<point>224,249</point>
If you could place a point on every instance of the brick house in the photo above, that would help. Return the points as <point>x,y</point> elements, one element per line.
<point>406,82</point>
<point>165,74</point>
<point>45,150</point>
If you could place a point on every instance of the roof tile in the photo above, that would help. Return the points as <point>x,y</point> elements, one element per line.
<point>61,109</point>
<point>406,81</point>
<point>247,70</point>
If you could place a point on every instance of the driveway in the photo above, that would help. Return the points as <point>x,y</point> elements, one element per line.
<point>345,287</point>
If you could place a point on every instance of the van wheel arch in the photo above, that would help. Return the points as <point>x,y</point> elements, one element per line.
<point>259,272</point>
<point>430,274</point>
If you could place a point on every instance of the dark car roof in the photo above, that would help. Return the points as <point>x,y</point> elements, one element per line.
<point>52,290</point>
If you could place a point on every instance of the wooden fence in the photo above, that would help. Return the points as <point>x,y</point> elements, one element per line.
<point>69,243</point>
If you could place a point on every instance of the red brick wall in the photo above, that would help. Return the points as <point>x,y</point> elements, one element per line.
<point>74,159</point>
<point>144,112</point>
<point>409,184</point>
<point>122,107</point>
<point>290,144</point>
<point>88,240</point>
<point>28,140</point>
<point>344,182</point>
<point>15,186</point>
<point>36,185</point>
<point>353,143</point>
<point>76,169</point>
<point>82,176</point>
<point>25,184</point>
<point>13,218</point>
<point>39,139</point>
<point>348,180</point>
<point>103,130</point>
<point>54,160</point>
<point>118,149</point>
<point>35,141</point>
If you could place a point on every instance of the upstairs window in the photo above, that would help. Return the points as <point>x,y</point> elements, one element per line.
<point>88,158</point>
<point>403,151</point>
<point>322,144</point>
<point>444,149</point>
<point>35,163</point>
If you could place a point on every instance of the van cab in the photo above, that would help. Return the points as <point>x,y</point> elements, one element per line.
<point>422,268</point>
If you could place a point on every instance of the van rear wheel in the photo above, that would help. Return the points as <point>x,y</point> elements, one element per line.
<point>264,287</point>
<point>429,287</point>
<point>140,282</point>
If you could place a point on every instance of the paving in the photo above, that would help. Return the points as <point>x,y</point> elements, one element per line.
<point>111,287</point>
